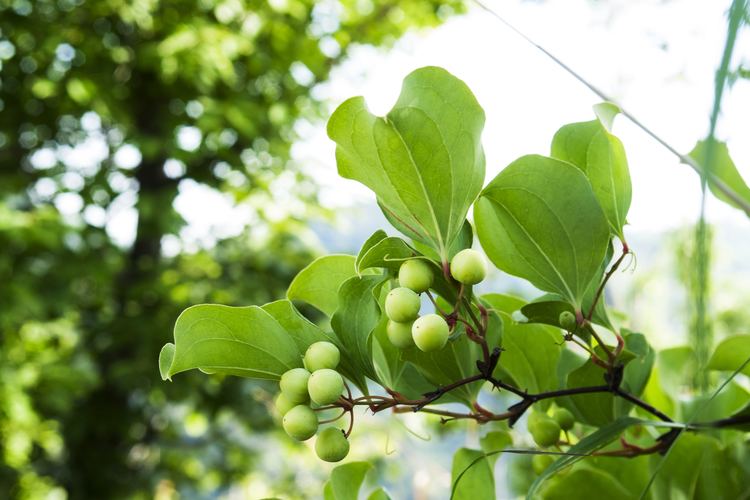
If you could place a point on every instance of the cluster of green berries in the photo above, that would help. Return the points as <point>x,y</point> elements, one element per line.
<point>429,332</point>
<point>318,383</point>
<point>545,430</point>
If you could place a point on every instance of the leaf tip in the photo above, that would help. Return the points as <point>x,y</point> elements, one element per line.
<point>166,356</point>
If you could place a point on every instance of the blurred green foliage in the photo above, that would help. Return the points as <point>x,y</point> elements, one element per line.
<point>95,98</point>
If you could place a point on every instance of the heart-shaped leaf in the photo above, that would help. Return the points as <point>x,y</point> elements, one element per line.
<point>424,160</point>
<point>242,341</point>
<point>539,220</point>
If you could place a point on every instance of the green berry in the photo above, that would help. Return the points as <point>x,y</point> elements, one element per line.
<point>468,267</point>
<point>331,445</point>
<point>322,355</point>
<point>300,422</point>
<point>546,432</point>
<point>294,385</point>
<point>564,418</point>
<point>400,334</point>
<point>416,275</point>
<point>540,463</point>
<point>402,305</point>
<point>568,321</point>
<point>325,386</point>
<point>283,404</point>
<point>430,332</point>
<point>534,417</point>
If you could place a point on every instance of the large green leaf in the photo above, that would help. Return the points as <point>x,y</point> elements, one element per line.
<point>472,476</point>
<point>242,341</point>
<point>600,155</point>
<point>304,333</point>
<point>345,481</point>
<point>723,170</point>
<point>318,284</point>
<point>731,353</point>
<point>424,160</point>
<point>539,220</point>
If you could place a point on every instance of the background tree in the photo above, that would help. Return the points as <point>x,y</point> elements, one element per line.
<point>111,104</point>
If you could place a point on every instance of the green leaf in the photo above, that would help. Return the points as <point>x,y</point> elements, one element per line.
<point>346,481</point>
<point>546,309</point>
<point>585,446</point>
<point>242,341</point>
<point>698,467</point>
<point>530,351</point>
<point>379,494</point>
<point>539,220</point>
<point>600,155</point>
<point>389,253</point>
<point>369,243</point>
<point>304,333</point>
<point>637,370</point>
<point>424,160</point>
<point>731,353</point>
<point>166,355</point>
<point>472,476</point>
<point>493,441</point>
<point>677,367</point>
<point>722,169</point>
<point>356,317</point>
<point>318,284</point>
<point>586,483</point>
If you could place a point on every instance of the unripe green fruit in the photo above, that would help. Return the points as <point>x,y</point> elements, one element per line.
<point>535,417</point>
<point>564,418</point>
<point>294,385</point>
<point>568,320</point>
<point>416,275</point>
<point>400,334</point>
<point>322,355</point>
<point>325,386</point>
<point>283,404</point>
<point>331,445</point>
<point>300,422</point>
<point>402,305</point>
<point>546,432</point>
<point>468,267</point>
<point>540,463</point>
<point>430,332</point>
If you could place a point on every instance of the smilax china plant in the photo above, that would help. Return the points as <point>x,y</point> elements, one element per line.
<point>587,385</point>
